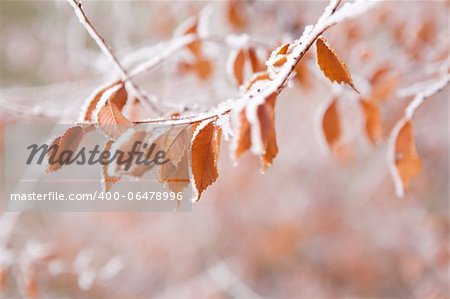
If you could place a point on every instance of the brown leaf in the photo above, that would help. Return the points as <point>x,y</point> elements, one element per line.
<point>256,65</point>
<point>385,88</point>
<point>331,126</point>
<point>379,73</point>
<point>280,61</point>
<point>63,145</point>
<point>238,66</point>
<point>235,14</point>
<point>302,74</point>
<point>255,78</point>
<point>107,180</point>
<point>406,158</point>
<point>331,65</point>
<point>108,112</point>
<point>190,26</point>
<point>266,120</point>
<point>282,50</point>
<point>242,140</point>
<point>125,143</point>
<point>205,153</point>
<point>372,123</point>
<point>201,68</point>
<point>178,178</point>
<point>92,101</point>
<point>174,143</point>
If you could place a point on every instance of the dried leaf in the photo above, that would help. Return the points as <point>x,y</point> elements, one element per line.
<point>331,126</point>
<point>174,143</point>
<point>62,146</point>
<point>384,88</point>
<point>261,117</point>
<point>372,123</point>
<point>205,154</point>
<point>178,178</point>
<point>282,50</point>
<point>202,68</point>
<point>280,61</point>
<point>92,101</point>
<point>379,74</point>
<point>302,74</point>
<point>406,158</point>
<point>190,26</point>
<point>256,65</point>
<point>331,65</point>
<point>108,112</point>
<point>266,120</point>
<point>257,77</point>
<point>242,140</point>
<point>125,143</point>
<point>237,63</point>
<point>107,180</point>
<point>235,14</point>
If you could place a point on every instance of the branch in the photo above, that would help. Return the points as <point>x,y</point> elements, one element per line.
<point>179,43</point>
<point>425,94</point>
<point>409,113</point>
<point>329,18</point>
<point>82,17</point>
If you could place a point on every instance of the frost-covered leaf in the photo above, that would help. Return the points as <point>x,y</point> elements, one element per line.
<point>242,139</point>
<point>262,127</point>
<point>406,160</point>
<point>62,148</point>
<point>107,180</point>
<point>108,113</point>
<point>331,65</point>
<point>236,66</point>
<point>372,125</point>
<point>175,143</point>
<point>92,101</point>
<point>205,154</point>
<point>331,126</point>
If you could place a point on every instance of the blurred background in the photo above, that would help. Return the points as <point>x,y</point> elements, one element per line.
<point>315,225</point>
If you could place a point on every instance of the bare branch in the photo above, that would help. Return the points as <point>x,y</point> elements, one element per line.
<point>82,17</point>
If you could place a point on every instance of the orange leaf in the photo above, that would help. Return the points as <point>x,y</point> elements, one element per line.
<point>107,180</point>
<point>280,61</point>
<point>235,14</point>
<point>91,103</point>
<point>384,88</point>
<point>257,77</point>
<point>108,112</point>
<point>256,65</point>
<point>63,148</point>
<point>331,65</point>
<point>331,125</point>
<point>190,26</point>
<point>282,50</point>
<point>406,158</point>
<point>175,144</point>
<point>178,178</point>
<point>242,140</point>
<point>261,117</point>
<point>372,123</point>
<point>237,66</point>
<point>205,154</point>
<point>302,72</point>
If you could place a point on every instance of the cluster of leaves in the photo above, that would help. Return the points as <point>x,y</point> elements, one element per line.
<point>193,142</point>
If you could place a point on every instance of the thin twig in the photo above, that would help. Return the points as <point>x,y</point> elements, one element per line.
<point>412,107</point>
<point>100,41</point>
<point>326,20</point>
<point>176,45</point>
